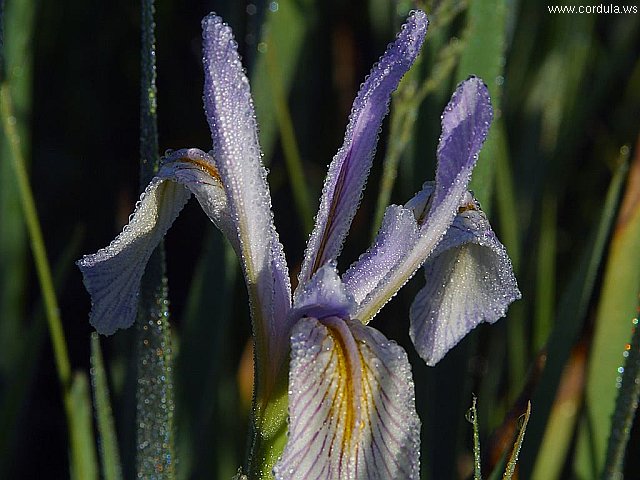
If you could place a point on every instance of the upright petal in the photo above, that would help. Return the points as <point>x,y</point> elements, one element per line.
<point>351,405</point>
<point>112,275</point>
<point>465,123</point>
<point>350,167</point>
<point>231,118</point>
<point>398,234</point>
<point>469,280</point>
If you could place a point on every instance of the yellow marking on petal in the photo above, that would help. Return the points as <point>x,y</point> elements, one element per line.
<point>345,392</point>
<point>467,207</point>
<point>206,166</point>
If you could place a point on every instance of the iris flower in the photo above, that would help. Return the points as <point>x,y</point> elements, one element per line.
<point>350,393</point>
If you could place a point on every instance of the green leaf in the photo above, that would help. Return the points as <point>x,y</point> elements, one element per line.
<point>484,56</point>
<point>84,464</point>
<point>616,308</point>
<point>109,455</point>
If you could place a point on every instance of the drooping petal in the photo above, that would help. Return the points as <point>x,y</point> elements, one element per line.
<point>351,405</point>
<point>112,275</point>
<point>469,280</point>
<point>465,123</point>
<point>231,117</point>
<point>350,167</point>
<point>323,296</point>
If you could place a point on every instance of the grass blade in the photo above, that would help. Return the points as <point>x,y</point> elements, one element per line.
<point>626,407</point>
<point>513,459</point>
<point>84,464</point>
<point>16,57</point>
<point>571,314</point>
<point>472,416</point>
<point>37,242</point>
<point>109,455</point>
<point>617,305</point>
<point>546,273</point>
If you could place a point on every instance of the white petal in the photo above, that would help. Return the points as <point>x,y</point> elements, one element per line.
<point>351,405</point>
<point>112,275</point>
<point>469,280</point>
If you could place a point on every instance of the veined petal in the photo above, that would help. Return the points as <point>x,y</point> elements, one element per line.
<point>465,123</point>
<point>469,280</point>
<point>323,296</point>
<point>230,113</point>
<point>112,275</point>
<point>196,170</point>
<point>351,405</point>
<point>350,167</point>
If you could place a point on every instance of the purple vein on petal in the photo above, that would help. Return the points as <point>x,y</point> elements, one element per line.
<point>350,167</point>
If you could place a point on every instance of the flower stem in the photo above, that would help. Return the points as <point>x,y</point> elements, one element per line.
<point>154,410</point>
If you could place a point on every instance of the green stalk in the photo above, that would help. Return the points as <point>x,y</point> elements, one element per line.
<point>36,240</point>
<point>626,406</point>
<point>472,416</point>
<point>513,459</point>
<point>154,410</point>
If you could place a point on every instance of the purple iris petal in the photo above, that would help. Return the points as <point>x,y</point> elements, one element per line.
<point>465,123</point>
<point>398,234</point>
<point>350,167</point>
<point>351,405</point>
<point>230,113</point>
<point>323,296</point>
<point>469,280</point>
<point>112,275</point>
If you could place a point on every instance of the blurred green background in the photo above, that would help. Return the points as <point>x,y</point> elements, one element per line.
<point>559,177</point>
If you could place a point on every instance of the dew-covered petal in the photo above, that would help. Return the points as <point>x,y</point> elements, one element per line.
<point>398,233</point>
<point>197,171</point>
<point>231,117</point>
<point>351,405</point>
<point>350,167</point>
<point>112,275</point>
<point>465,123</point>
<point>323,296</point>
<point>469,280</point>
